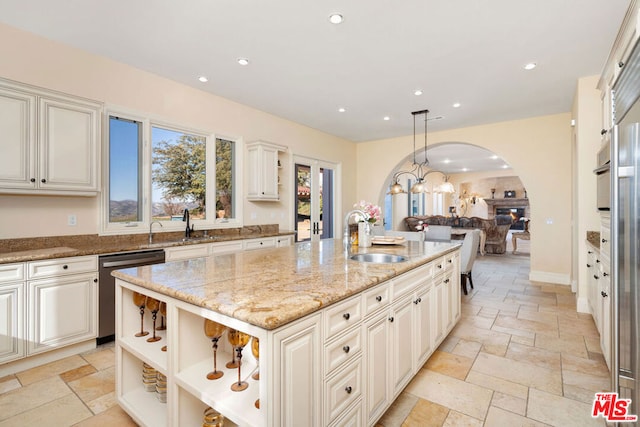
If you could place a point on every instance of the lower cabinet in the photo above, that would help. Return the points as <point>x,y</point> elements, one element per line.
<point>11,321</point>
<point>378,361</point>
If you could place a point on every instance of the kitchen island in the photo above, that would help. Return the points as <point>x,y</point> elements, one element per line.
<point>338,339</point>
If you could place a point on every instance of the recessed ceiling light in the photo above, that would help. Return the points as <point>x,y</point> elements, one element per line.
<point>336,18</point>
<point>243,61</point>
<point>494,157</point>
<point>456,105</point>
<point>417,92</point>
<point>203,79</point>
<point>386,118</point>
<point>530,66</point>
<point>342,110</point>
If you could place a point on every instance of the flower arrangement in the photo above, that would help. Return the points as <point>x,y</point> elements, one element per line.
<point>374,211</point>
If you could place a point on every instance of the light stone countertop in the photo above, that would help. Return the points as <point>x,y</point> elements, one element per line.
<point>272,287</point>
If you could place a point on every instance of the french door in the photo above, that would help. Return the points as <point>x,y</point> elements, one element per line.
<point>314,199</point>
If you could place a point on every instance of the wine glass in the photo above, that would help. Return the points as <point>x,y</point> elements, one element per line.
<point>214,330</point>
<point>153,305</point>
<point>140,301</point>
<point>163,312</point>
<point>238,340</point>
<point>255,350</point>
<point>231,364</point>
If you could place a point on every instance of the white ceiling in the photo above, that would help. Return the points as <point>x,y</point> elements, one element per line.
<point>304,68</point>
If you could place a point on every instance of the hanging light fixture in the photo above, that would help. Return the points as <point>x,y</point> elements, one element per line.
<point>418,170</point>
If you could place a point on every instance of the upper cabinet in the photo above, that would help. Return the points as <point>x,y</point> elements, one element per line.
<point>50,142</point>
<point>263,165</point>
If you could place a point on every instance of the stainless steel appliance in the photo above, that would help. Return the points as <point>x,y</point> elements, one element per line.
<point>107,286</point>
<point>603,173</point>
<point>625,233</point>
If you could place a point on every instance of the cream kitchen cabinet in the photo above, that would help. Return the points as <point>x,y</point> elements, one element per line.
<point>12,300</point>
<point>604,296</point>
<point>284,241</point>
<point>263,243</point>
<point>51,142</point>
<point>179,253</point>
<point>62,302</point>
<point>262,165</point>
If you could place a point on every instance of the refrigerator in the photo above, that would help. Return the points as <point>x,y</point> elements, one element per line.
<point>625,233</point>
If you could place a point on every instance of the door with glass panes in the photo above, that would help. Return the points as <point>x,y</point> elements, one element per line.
<point>314,199</point>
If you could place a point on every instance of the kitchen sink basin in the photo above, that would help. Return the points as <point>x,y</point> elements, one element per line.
<point>378,258</point>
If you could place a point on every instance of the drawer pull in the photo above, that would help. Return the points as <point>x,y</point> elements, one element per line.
<point>604,240</point>
<point>446,280</point>
<point>597,261</point>
<point>605,274</point>
<point>604,294</point>
<point>418,301</point>
<point>346,349</point>
<point>450,261</point>
<point>95,280</point>
<point>378,298</point>
<point>348,389</point>
<point>589,252</point>
<point>391,319</point>
<point>595,276</point>
<point>346,316</point>
<point>439,265</point>
<point>588,265</point>
<point>64,267</point>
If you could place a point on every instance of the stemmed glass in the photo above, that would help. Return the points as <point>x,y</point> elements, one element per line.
<point>140,301</point>
<point>163,312</point>
<point>153,305</point>
<point>233,363</point>
<point>214,330</point>
<point>255,350</point>
<point>238,340</point>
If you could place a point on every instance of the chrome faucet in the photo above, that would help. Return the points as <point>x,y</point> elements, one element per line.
<point>150,227</point>
<point>345,238</point>
<point>188,230</point>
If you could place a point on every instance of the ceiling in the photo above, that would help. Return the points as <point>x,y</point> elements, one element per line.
<point>303,68</point>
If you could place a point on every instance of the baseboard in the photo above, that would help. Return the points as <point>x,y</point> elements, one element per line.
<point>547,277</point>
<point>46,357</point>
<point>582,305</point>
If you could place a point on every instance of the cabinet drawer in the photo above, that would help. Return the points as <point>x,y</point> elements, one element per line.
<point>11,273</point>
<point>409,281</point>
<point>342,316</point>
<point>226,247</point>
<point>376,298</point>
<point>250,245</point>
<point>449,261</point>
<point>342,390</point>
<point>351,418</point>
<point>342,349</point>
<point>62,266</point>
<point>186,252</point>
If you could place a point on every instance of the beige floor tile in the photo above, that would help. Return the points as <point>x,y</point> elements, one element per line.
<point>9,383</point>
<point>50,369</point>
<point>559,411</point>
<point>77,373</point>
<point>529,341</point>
<point>500,418</point>
<point>498,384</point>
<point>426,414</point>
<point>466,348</point>
<point>593,344</point>
<point>587,366</point>
<point>28,397</point>
<point>514,332</point>
<point>458,395</point>
<point>93,386</point>
<point>102,359</point>
<point>526,325</point>
<point>584,327</point>
<point>453,365</point>
<point>476,321</point>
<point>537,315</point>
<point>399,410</point>
<point>535,356</point>
<point>456,419</point>
<point>578,393</point>
<point>566,344</point>
<point>519,372</point>
<point>509,403</point>
<point>103,403</point>
<point>65,411</point>
<point>114,416</point>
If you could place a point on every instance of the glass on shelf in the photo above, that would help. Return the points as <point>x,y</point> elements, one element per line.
<point>214,331</point>
<point>238,340</point>
<point>212,418</point>
<point>140,301</point>
<point>153,305</point>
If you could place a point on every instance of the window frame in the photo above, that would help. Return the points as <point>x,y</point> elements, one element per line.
<point>147,122</point>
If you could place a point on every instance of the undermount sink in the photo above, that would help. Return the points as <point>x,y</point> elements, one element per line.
<point>378,258</point>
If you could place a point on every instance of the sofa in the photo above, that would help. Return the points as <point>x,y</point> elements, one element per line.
<point>495,229</point>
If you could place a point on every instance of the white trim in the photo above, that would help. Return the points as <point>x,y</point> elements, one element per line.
<point>548,277</point>
<point>582,305</point>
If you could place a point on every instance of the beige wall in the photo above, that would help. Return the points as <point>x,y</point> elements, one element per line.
<point>539,151</point>
<point>30,59</point>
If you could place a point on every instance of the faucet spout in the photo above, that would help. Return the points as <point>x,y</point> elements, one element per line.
<point>150,228</point>
<point>345,237</point>
<point>185,217</point>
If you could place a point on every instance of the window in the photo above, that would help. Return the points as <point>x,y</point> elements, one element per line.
<point>179,169</point>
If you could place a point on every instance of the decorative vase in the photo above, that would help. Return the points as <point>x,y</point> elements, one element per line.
<point>364,234</point>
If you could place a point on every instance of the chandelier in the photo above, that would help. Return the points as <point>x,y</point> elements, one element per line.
<point>418,170</point>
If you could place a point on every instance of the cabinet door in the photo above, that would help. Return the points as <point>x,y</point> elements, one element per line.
<point>284,241</point>
<point>297,386</point>
<point>186,252</point>
<point>423,337</point>
<point>402,345</point>
<point>451,303</point>
<point>68,145</point>
<point>62,311</point>
<point>377,366</point>
<point>17,127</point>
<point>605,312</point>
<point>269,172</point>
<point>11,321</point>
<point>440,311</point>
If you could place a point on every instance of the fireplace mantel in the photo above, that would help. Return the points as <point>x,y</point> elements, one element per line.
<point>508,202</point>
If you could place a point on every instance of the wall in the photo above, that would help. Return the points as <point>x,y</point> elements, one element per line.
<point>28,58</point>
<point>587,113</point>
<point>539,151</point>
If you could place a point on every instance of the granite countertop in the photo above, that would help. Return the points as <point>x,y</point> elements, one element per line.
<point>272,288</point>
<point>34,249</point>
<point>593,238</point>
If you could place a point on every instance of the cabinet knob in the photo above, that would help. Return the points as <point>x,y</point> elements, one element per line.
<point>446,280</point>
<point>620,64</point>
<point>391,319</point>
<point>604,274</point>
<point>595,277</point>
<point>43,180</point>
<point>260,243</point>
<point>450,261</point>
<point>439,265</point>
<point>597,261</point>
<point>348,389</point>
<point>589,252</point>
<point>604,294</point>
<point>64,267</point>
<point>32,180</point>
<point>604,240</point>
<point>603,131</point>
<point>95,280</point>
<point>346,316</point>
<point>379,298</point>
<point>588,265</point>
<point>346,349</point>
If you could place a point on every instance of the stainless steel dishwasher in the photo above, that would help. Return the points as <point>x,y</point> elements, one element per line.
<point>107,286</point>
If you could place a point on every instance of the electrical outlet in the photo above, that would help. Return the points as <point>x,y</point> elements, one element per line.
<point>72,220</point>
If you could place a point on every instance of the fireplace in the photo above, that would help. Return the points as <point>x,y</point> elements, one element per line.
<point>517,208</point>
<point>516,214</point>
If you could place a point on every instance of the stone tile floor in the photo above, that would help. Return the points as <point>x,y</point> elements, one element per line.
<point>520,356</point>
